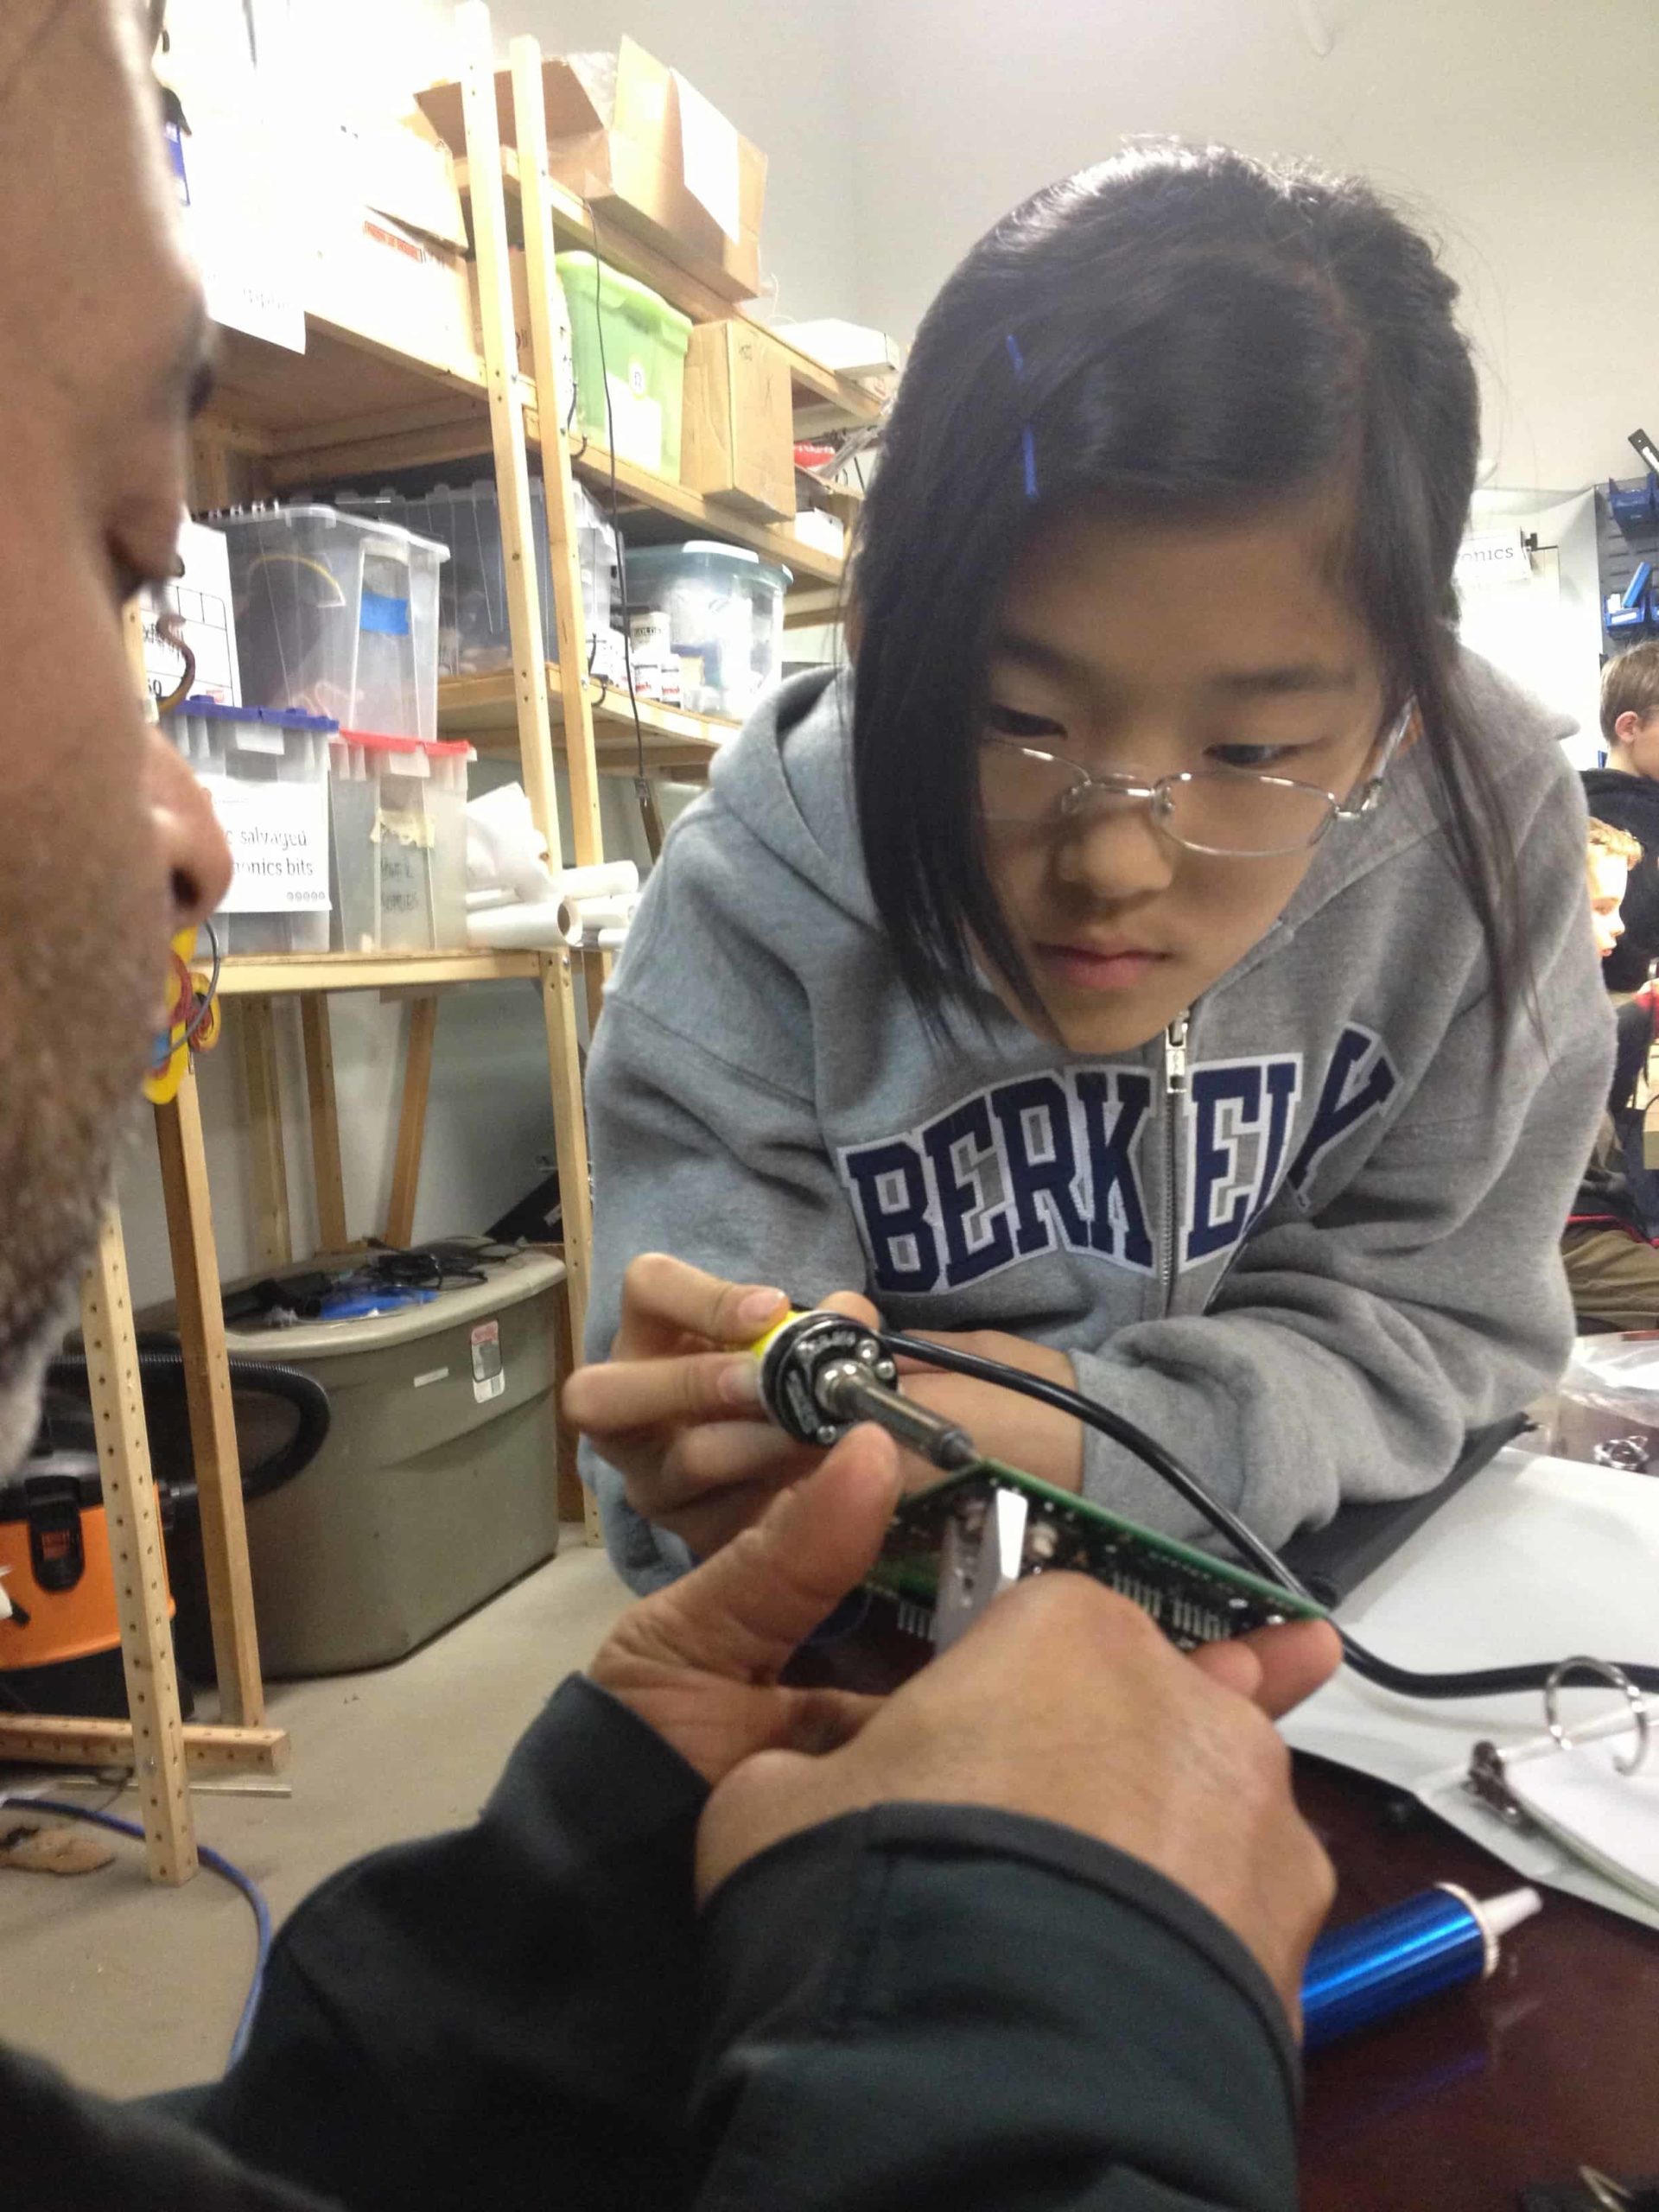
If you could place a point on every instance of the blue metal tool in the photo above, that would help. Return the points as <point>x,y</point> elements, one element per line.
<point>1392,1959</point>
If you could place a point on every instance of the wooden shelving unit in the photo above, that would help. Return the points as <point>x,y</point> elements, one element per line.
<point>274,975</point>
<point>484,709</point>
<point>350,406</point>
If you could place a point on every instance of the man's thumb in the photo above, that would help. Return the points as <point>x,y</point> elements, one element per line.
<point>743,1611</point>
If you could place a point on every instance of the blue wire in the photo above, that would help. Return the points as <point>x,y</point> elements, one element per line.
<point>215,1860</point>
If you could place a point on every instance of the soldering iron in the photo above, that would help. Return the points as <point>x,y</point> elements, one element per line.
<point>822,1373</point>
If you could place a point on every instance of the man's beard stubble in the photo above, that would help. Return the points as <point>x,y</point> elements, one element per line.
<point>70,1071</point>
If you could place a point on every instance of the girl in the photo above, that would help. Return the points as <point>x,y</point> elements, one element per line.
<point>1164,956</point>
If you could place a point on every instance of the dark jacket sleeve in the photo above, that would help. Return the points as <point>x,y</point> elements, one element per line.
<point>503,2017</point>
<point>62,2150</point>
<point>945,2008</point>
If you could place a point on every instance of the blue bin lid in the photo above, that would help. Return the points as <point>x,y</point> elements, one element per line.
<point>216,710</point>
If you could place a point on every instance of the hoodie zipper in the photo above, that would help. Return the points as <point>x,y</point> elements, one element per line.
<point>1174,1105</point>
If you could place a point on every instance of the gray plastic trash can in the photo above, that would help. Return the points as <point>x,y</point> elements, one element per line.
<point>437,1485</point>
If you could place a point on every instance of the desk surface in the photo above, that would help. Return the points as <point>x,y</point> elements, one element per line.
<point>1456,2106</point>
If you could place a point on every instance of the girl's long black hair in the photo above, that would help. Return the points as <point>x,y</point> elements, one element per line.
<point>1181,330</point>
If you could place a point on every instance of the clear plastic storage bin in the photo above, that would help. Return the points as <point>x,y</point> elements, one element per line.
<point>338,614</point>
<point>473,639</point>
<point>266,772</point>
<point>725,609</point>
<point>629,342</point>
<point>399,810</point>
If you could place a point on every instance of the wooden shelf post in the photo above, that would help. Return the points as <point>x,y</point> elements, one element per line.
<point>571,626</point>
<point>525,619</point>
<point>212,1418</point>
<point>411,1121</point>
<point>157,1727</point>
<point>327,1174</point>
<point>256,1027</point>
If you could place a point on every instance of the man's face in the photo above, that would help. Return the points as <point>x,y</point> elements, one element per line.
<point>1609,878</point>
<point>109,845</point>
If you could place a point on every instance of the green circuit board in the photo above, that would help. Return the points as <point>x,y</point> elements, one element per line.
<point>1193,1597</point>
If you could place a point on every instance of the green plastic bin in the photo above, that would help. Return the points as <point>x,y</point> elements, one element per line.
<point>643,362</point>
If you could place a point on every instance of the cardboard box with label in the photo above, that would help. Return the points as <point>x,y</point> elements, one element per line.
<point>737,440</point>
<point>648,152</point>
<point>389,241</point>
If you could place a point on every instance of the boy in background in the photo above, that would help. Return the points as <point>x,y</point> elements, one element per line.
<point>1625,795</point>
<point>1612,1265</point>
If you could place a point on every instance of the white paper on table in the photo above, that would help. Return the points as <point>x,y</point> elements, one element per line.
<point>1534,1560</point>
<point>1610,1818</point>
<point>279,836</point>
<point>708,157</point>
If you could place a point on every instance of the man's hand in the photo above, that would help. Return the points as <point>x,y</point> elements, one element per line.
<point>1065,1703</point>
<point>699,1662</point>
<point>676,1408</point>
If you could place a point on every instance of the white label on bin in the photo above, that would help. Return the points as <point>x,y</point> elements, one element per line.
<point>489,1376</point>
<point>279,836</point>
<point>432,1375</point>
<point>636,424</point>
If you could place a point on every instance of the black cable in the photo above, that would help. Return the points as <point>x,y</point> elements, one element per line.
<point>198,1019</point>
<point>1121,1430</point>
<point>1484,1681</point>
<point>160,1364</point>
<point>616,525</point>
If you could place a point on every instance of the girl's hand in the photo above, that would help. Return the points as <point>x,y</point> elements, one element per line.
<point>1037,1439</point>
<point>676,1407</point>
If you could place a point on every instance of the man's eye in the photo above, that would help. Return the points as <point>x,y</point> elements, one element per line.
<point>1009,722</point>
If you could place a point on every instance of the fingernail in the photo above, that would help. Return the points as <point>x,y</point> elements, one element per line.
<point>739,1383</point>
<point>758,1306</point>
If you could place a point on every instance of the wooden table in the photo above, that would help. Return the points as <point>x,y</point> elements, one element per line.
<point>1456,2106</point>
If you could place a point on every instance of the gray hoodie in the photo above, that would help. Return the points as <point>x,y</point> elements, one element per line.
<point>1308,1264</point>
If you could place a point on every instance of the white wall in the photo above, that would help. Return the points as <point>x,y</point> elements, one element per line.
<point>1546,631</point>
<point>1515,124</point>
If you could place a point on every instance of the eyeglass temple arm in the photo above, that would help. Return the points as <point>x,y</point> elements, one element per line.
<point>1365,797</point>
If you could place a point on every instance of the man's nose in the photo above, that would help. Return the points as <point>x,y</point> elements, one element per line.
<point>193,847</point>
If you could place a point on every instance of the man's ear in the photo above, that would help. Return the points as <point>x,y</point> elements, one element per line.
<point>1627,725</point>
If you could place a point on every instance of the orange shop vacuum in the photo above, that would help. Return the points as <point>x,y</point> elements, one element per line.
<point>61,1646</point>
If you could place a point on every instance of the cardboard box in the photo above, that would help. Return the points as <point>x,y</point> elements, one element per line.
<point>389,283</point>
<point>403,169</point>
<point>737,440</point>
<point>648,153</point>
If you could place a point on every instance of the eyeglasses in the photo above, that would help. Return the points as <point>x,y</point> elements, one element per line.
<point>1229,811</point>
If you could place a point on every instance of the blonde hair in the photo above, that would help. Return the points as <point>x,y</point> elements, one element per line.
<point>1617,843</point>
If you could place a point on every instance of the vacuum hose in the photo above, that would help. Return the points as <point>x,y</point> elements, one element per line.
<point>165,1363</point>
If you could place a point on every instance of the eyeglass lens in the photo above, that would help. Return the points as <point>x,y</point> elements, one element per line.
<point>1229,813</point>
